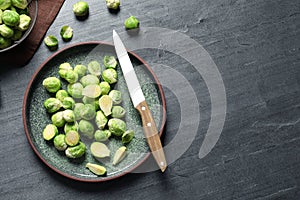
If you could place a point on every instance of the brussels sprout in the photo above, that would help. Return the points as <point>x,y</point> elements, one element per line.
<point>116,126</point>
<point>88,112</point>
<point>127,136</point>
<point>75,90</point>
<point>24,22</point>
<point>102,135</point>
<point>117,112</point>
<point>71,76</point>
<point>116,96</point>
<point>99,150</point>
<point>94,68</point>
<point>52,105</point>
<point>92,91</point>
<point>0,14</point>
<point>61,95</point>
<point>110,75</point>
<point>106,103</point>
<point>131,23</point>
<point>78,108</point>
<point>4,4</point>
<point>22,4</point>
<point>96,169</point>
<point>50,132</point>
<point>6,31</point>
<point>89,80</point>
<point>92,101</point>
<point>68,103</point>
<point>58,119</point>
<point>80,70</point>
<point>4,42</point>
<point>81,9</point>
<point>52,84</point>
<point>73,126</point>
<point>113,4</point>
<point>63,68</point>
<point>105,88</point>
<point>66,33</point>
<point>59,142</point>
<point>17,35</point>
<point>100,119</point>
<point>51,42</point>
<point>69,115</point>
<point>86,128</point>
<point>76,151</point>
<point>119,155</point>
<point>110,62</point>
<point>72,138</point>
<point>10,18</point>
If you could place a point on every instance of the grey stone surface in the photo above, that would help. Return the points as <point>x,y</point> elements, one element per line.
<point>255,45</point>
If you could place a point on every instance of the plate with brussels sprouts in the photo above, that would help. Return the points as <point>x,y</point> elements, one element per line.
<point>78,115</point>
<point>17,19</point>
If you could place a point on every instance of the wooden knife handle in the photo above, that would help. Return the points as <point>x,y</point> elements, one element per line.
<point>151,135</point>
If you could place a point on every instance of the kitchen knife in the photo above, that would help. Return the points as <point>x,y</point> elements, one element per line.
<point>139,102</point>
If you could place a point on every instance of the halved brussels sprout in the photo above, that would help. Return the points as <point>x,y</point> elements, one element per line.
<point>99,150</point>
<point>76,151</point>
<point>116,126</point>
<point>94,68</point>
<point>52,84</point>
<point>100,119</point>
<point>110,75</point>
<point>72,138</point>
<point>51,42</point>
<point>50,132</point>
<point>110,62</point>
<point>66,33</point>
<point>106,103</point>
<point>59,142</point>
<point>52,105</point>
<point>92,91</point>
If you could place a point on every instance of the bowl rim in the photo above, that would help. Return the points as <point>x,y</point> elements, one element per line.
<point>24,112</point>
<point>27,32</point>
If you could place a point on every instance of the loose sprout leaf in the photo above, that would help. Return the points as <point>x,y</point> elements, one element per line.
<point>99,150</point>
<point>119,155</point>
<point>96,169</point>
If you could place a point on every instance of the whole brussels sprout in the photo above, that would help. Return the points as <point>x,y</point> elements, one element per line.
<point>59,142</point>
<point>17,35</point>
<point>22,4</point>
<point>110,62</point>
<point>69,115</point>
<point>100,119</point>
<point>4,42</point>
<point>52,105</point>
<point>66,33</point>
<point>86,128</point>
<point>80,70</point>
<point>94,68</point>
<point>127,136</point>
<point>10,18</point>
<point>113,4</point>
<point>76,151</point>
<point>81,9</point>
<point>105,88</point>
<point>50,132</point>
<point>68,103</point>
<point>63,68</point>
<point>92,101</point>
<point>106,103</point>
<point>110,75</point>
<point>91,91</point>
<point>116,96</point>
<point>117,112</point>
<point>73,126</point>
<point>24,22</point>
<point>75,90</point>
<point>61,95</point>
<point>78,108</point>
<point>72,138</point>
<point>58,119</point>
<point>102,135</point>
<point>51,42</point>
<point>116,126</point>
<point>88,112</point>
<point>6,31</point>
<point>52,84</point>
<point>4,4</point>
<point>71,76</point>
<point>131,23</point>
<point>89,80</point>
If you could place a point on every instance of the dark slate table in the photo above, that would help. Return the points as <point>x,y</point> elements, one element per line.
<point>255,46</point>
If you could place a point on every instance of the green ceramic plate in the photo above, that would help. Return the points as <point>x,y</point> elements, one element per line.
<point>35,117</point>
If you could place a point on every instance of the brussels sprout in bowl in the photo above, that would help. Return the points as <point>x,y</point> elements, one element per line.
<point>27,15</point>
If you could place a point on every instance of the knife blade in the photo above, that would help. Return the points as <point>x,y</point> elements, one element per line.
<point>139,102</point>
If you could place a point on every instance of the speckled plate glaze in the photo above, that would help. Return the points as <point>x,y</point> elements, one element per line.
<point>35,117</point>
